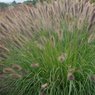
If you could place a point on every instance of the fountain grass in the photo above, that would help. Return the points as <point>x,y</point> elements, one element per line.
<point>55,66</point>
<point>48,49</point>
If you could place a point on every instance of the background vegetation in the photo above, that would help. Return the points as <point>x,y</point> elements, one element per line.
<point>4,5</point>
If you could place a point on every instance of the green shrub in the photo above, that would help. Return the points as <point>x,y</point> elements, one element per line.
<point>3,5</point>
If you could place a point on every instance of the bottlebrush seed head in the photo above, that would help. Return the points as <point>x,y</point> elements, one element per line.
<point>62,57</point>
<point>16,76</point>
<point>39,45</point>
<point>52,41</point>
<point>42,93</point>
<point>60,35</point>
<point>70,76</point>
<point>91,38</point>
<point>43,86</point>
<point>8,70</point>
<point>16,67</point>
<point>34,65</point>
<point>92,77</point>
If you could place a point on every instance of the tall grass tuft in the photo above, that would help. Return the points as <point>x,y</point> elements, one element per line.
<point>49,48</point>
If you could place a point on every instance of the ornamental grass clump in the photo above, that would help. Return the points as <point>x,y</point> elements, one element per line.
<point>50,49</point>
